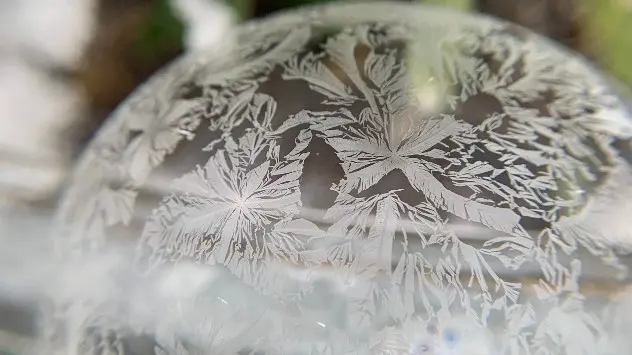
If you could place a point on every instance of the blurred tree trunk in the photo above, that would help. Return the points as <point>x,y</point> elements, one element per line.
<point>133,39</point>
<point>560,20</point>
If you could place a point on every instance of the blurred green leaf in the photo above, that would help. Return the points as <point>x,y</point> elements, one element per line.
<point>164,29</point>
<point>243,8</point>
<point>611,24</point>
<point>460,4</point>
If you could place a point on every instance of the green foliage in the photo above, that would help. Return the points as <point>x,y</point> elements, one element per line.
<point>163,30</point>
<point>243,8</point>
<point>460,4</point>
<point>611,25</point>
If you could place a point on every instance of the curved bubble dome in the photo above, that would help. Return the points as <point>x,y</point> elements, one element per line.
<point>377,178</point>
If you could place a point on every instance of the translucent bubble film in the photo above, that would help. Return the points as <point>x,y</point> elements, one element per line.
<point>355,179</point>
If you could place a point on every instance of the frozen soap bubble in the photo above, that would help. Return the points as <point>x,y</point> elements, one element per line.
<point>343,175</point>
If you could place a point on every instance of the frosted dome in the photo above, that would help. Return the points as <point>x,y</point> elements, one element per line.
<point>356,179</point>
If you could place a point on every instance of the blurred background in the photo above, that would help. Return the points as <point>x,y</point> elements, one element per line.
<point>66,64</point>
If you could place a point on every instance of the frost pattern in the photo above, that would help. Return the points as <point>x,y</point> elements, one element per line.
<point>462,152</point>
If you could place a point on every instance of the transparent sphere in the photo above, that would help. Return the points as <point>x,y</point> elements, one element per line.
<point>356,179</point>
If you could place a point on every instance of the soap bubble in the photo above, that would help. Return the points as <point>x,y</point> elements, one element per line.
<point>342,178</point>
